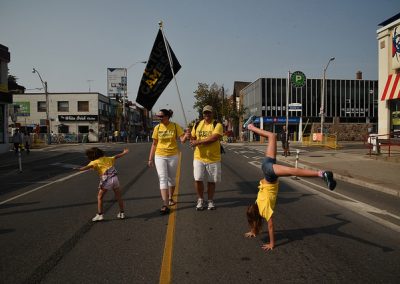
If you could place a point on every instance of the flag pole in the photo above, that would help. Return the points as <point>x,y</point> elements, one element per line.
<point>160,23</point>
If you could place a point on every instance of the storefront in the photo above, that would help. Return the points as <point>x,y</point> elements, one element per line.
<point>389,76</point>
<point>5,98</point>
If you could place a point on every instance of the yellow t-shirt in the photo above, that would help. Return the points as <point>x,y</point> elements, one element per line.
<point>211,152</point>
<point>166,137</point>
<point>266,198</point>
<point>102,164</point>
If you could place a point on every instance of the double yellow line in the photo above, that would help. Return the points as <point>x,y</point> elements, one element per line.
<point>166,265</point>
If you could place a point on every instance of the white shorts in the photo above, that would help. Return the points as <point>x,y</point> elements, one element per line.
<point>166,169</point>
<point>210,172</point>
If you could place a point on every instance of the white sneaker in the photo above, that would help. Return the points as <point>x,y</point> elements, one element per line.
<point>200,204</point>
<point>121,215</point>
<point>211,205</point>
<point>98,217</point>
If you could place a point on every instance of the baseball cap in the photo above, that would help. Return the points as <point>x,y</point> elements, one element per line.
<point>208,108</point>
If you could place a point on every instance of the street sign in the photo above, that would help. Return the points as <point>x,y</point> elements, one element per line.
<point>295,107</point>
<point>298,79</point>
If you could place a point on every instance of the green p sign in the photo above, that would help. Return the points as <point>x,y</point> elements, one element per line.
<point>298,79</point>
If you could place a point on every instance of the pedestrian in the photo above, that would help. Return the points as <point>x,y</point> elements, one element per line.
<point>27,142</point>
<point>116,136</point>
<point>108,178</point>
<point>284,137</point>
<point>123,136</point>
<point>17,140</point>
<point>264,206</point>
<point>164,150</point>
<point>205,138</point>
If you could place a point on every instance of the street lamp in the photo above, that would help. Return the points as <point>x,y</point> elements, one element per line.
<point>44,84</point>
<point>322,110</point>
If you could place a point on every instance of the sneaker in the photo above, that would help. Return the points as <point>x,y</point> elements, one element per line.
<point>250,120</point>
<point>98,217</point>
<point>121,215</point>
<point>211,205</point>
<point>200,205</point>
<point>328,178</point>
<point>164,210</point>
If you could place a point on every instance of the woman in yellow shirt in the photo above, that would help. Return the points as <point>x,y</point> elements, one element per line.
<point>264,206</point>
<point>164,151</point>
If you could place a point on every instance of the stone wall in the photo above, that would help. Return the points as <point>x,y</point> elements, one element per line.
<point>345,131</point>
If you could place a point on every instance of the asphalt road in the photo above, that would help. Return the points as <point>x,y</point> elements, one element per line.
<point>47,235</point>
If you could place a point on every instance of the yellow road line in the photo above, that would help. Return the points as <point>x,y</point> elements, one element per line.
<point>166,265</point>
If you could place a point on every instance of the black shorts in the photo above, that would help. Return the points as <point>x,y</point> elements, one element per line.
<point>268,169</point>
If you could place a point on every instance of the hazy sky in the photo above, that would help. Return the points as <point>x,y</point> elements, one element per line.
<point>72,43</point>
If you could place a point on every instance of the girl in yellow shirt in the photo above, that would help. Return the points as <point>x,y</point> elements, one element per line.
<point>108,179</point>
<point>264,206</point>
<point>164,151</point>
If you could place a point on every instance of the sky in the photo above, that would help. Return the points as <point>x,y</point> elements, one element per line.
<point>72,43</point>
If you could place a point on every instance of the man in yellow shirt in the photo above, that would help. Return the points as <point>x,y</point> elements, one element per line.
<point>205,138</point>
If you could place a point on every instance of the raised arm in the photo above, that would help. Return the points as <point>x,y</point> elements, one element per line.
<point>126,151</point>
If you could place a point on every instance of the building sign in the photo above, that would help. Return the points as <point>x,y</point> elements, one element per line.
<point>298,79</point>
<point>77,118</point>
<point>295,107</point>
<point>24,108</point>
<point>396,48</point>
<point>116,82</point>
<point>277,119</point>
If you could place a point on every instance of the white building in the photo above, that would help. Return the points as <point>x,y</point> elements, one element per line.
<point>389,75</point>
<point>73,113</point>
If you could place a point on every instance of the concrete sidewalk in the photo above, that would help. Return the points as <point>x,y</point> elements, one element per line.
<point>350,163</point>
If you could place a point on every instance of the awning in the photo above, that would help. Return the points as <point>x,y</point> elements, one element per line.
<point>392,88</point>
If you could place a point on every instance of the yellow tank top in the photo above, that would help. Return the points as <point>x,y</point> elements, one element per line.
<point>266,198</point>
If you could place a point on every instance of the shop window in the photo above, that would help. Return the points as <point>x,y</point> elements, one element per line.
<point>83,106</point>
<point>63,106</point>
<point>41,106</point>
<point>62,128</point>
<point>83,129</point>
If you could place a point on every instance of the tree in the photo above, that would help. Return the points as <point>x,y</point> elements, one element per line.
<point>207,95</point>
<point>224,108</point>
<point>13,86</point>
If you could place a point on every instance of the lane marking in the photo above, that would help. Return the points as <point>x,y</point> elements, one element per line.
<point>166,265</point>
<point>65,165</point>
<point>40,187</point>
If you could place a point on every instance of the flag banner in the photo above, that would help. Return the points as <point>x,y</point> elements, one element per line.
<point>157,74</point>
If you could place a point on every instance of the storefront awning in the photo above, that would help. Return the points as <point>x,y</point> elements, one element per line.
<point>392,88</point>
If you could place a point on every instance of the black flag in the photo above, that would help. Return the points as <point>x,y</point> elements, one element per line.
<point>157,74</point>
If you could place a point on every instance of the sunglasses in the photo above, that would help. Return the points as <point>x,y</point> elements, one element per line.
<point>207,113</point>
<point>161,116</point>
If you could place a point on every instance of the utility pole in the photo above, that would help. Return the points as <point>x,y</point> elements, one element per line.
<point>322,110</point>
<point>44,84</point>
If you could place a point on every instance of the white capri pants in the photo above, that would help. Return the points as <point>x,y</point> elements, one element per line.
<point>210,172</point>
<point>166,169</point>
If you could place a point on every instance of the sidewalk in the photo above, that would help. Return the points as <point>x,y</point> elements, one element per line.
<point>351,163</point>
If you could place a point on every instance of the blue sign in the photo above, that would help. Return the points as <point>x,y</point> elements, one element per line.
<point>278,119</point>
